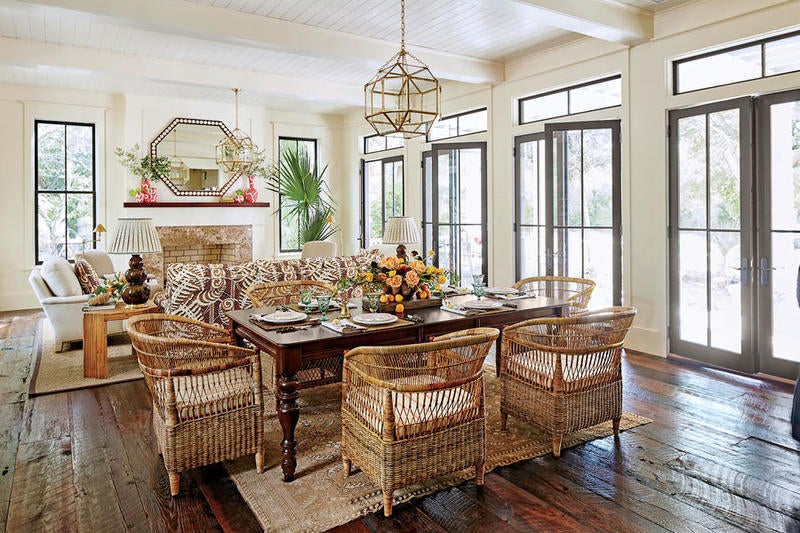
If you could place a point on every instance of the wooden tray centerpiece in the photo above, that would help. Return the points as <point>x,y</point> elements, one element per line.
<point>414,303</point>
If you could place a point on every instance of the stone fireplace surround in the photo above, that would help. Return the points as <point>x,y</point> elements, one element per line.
<point>200,244</point>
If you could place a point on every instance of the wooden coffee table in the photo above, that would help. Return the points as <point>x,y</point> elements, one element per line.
<point>95,335</point>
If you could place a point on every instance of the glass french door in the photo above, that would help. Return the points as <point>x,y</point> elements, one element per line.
<point>778,239</point>
<point>454,207</point>
<point>382,197</point>
<point>568,212</point>
<point>735,233</point>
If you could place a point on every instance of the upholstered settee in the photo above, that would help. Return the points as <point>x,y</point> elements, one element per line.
<point>206,291</point>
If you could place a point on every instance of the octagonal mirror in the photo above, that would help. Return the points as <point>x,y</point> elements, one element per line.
<point>190,145</point>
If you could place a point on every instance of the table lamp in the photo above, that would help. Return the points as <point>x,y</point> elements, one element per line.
<point>399,231</point>
<point>135,236</point>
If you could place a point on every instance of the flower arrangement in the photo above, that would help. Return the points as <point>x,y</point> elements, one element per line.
<point>393,276</point>
<point>148,168</point>
<point>109,291</point>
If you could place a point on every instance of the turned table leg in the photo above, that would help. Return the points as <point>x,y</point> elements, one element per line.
<point>287,394</point>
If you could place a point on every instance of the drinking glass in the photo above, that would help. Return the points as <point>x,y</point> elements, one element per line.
<point>373,301</point>
<point>324,303</point>
<point>478,289</point>
<point>306,295</point>
<point>477,278</point>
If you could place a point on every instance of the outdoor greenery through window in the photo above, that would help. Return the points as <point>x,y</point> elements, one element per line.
<point>65,187</point>
<point>758,59</point>
<point>597,94</point>
<point>379,143</point>
<point>290,224</point>
<point>382,191</point>
<point>461,124</point>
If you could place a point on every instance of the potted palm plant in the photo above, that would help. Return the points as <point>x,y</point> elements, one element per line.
<point>303,191</point>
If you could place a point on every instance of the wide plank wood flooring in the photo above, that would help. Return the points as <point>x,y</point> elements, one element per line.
<point>718,456</point>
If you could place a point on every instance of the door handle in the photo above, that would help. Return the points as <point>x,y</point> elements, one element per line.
<point>763,269</point>
<point>744,272</point>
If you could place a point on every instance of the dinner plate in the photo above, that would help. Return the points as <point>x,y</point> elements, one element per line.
<point>501,290</point>
<point>483,304</point>
<point>284,317</point>
<point>372,319</point>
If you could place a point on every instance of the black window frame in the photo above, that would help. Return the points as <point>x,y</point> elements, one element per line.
<point>280,213</point>
<point>364,199</point>
<point>386,146</point>
<point>567,90</point>
<point>458,116</point>
<point>758,42</point>
<point>66,191</point>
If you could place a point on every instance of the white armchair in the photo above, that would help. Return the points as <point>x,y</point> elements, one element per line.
<point>63,310</point>
<point>318,249</point>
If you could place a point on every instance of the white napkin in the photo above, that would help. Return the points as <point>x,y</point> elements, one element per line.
<point>458,310</point>
<point>513,296</point>
<point>342,325</point>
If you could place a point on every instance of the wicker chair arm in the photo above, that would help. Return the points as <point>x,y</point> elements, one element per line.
<point>240,361</point>
<point>399,386</point>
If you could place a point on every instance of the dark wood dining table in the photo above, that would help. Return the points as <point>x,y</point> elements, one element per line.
<point>290,348</point>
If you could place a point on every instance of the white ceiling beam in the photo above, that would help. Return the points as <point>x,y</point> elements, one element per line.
<point>33,54</point>
<point>228,26</point>
<point>596,18</point>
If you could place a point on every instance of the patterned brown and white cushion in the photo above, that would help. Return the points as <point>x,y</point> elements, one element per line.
<point>87,277</point>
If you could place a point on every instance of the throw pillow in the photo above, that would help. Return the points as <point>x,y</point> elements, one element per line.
<point>59,276</point>
<point>87,277</point>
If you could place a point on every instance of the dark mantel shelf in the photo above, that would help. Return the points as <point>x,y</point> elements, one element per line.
<point>196,204</point>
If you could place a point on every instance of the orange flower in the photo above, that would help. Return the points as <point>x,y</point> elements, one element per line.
<point>418,266</point>
<point>395,281</point>
<point>390,262</point>
<point>412,278</point>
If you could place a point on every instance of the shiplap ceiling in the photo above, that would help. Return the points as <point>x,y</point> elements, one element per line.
<point>312,55</point>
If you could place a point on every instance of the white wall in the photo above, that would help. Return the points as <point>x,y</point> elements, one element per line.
<point>125,120</point>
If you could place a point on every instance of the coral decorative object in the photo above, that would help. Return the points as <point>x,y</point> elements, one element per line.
<point>251,194</point>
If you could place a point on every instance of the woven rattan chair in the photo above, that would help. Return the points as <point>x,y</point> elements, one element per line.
<point>314,372</point>
<point>415,412</point>
<point>285,292</point>
<point>207,396</point>
<point>564,374</point>
<point>576,291</point>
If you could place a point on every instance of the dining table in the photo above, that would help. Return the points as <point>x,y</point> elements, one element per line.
<point>290,346</point>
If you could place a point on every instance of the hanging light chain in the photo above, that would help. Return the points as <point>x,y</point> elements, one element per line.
<point>236,93</point>
<point>402,26</point>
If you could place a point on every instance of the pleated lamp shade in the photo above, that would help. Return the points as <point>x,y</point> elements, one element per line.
<point>135,236</point>
<point>401,230</point>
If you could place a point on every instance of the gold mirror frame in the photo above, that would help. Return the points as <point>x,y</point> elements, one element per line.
<point>168,150</point>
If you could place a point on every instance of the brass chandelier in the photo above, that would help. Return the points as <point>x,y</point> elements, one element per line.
<point>236,153</point>
<point>404,96</point>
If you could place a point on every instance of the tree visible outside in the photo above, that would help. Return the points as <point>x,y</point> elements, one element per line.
<point>64,187</point>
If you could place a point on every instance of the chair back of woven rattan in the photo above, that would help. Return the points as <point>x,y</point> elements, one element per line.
<point>415,412</point>
<point>565,373</point>
<point>285,292</point>
<point>207,394</point>
<point>576,291</point>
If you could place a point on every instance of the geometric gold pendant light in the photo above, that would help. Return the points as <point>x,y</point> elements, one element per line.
<point>404,96</point>
<point>236,153</point>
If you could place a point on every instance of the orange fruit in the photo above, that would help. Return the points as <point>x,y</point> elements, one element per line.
<point>383,299</point>
<point>390,297</point>
<point>398,298</point>
<point>399,308</point>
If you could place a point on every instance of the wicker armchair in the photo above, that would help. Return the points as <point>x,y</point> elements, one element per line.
<point>314,372</point>
<point>207,395</point>
<point>576,291</point>
<point>415,412</point>
<point>564,374</point>
<point>284,292</point>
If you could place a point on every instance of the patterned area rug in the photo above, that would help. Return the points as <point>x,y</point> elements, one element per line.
<point>61,371</point>
<point>321,497</point>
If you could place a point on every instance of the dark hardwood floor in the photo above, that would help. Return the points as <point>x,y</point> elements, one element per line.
<point>718,456</point>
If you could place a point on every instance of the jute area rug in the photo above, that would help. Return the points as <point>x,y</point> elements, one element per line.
<point>57,372</point>
<point>321,497</point>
